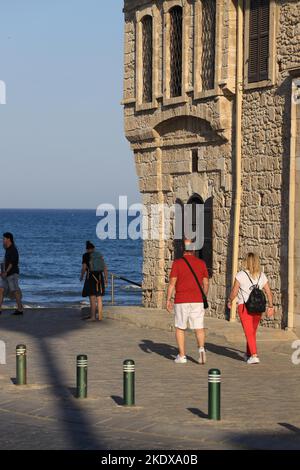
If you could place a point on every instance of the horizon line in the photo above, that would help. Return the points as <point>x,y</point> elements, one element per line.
<point>46,209</point>
<point>50,209</point>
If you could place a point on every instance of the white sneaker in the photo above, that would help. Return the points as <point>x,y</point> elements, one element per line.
<point>202,356</point>
<point>253,360</point>
<point>180,359</point>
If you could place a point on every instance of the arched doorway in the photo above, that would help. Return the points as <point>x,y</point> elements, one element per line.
<point>206,253</point>
<point>196,221</point>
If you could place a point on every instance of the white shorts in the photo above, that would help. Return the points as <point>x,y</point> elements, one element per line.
<point>192,313</point>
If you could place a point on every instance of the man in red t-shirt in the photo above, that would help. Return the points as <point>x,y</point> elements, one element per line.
<point>188,302</point>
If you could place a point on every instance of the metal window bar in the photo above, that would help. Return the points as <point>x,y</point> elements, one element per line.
<point>176,27</point>
<point>208,44</point>
<point>147,28</point>
<point>122,278</point>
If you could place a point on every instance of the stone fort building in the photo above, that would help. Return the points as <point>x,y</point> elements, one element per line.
<point>212,113</point>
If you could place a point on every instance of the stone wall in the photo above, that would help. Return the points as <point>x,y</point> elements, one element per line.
<point>163,136</point>
<point>266,151</point>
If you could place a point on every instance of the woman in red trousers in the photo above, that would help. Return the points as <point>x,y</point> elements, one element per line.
<point>244,281</point>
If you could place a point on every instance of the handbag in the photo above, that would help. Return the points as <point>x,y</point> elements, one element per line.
<point>205,302</point>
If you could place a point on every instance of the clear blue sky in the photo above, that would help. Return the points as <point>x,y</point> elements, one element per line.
<point>62,142</point>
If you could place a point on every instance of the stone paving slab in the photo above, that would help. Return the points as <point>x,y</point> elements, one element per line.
<point>260,404</point>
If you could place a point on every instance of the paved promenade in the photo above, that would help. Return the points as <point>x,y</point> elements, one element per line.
<point>260,403</point>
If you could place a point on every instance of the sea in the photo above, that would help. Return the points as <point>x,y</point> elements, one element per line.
<point>51,243</point>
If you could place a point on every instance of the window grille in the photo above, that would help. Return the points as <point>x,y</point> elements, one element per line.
<point>208,44</point>
<point>147,29</point>
<point>176,28</point>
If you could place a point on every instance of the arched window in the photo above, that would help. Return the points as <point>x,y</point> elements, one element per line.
<point>147,51</point>
<point>176,44</point>
<point>208,44</point>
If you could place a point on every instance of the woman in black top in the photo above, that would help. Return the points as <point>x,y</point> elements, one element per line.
<point>95,282</point>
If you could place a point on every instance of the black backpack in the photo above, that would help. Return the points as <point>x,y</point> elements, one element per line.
<point>257,300</point>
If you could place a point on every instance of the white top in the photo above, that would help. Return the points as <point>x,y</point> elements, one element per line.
<point>245,285</point>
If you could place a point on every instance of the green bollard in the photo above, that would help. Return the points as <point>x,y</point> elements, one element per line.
<point>214,394</point>
<point>128,384</point>
<point>82,370</point>
<point>21,369</point>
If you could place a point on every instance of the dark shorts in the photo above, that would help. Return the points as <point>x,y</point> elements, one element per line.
<point>94,285</point>
<point>10,284</point>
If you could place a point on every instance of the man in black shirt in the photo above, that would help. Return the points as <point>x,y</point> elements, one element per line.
<point>9,280</point>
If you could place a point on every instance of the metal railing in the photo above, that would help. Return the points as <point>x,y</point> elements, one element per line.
<point>122,278</point>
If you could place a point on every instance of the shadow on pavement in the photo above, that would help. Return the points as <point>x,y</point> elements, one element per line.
<point>170,352</point>
<point>73,391</point>
<point>225,351</point>
<point>118,400</point>
<point>44,326</point>
<point>290,427</point>
<point>198,413</point>
<point>264,441</point>
<point>162,349</point>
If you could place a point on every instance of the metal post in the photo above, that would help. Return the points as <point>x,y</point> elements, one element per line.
<point>21,369</point>
<point>82,370</point>
<point>112,289</point>
<point>214,394</point>
<point>128,384</point>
